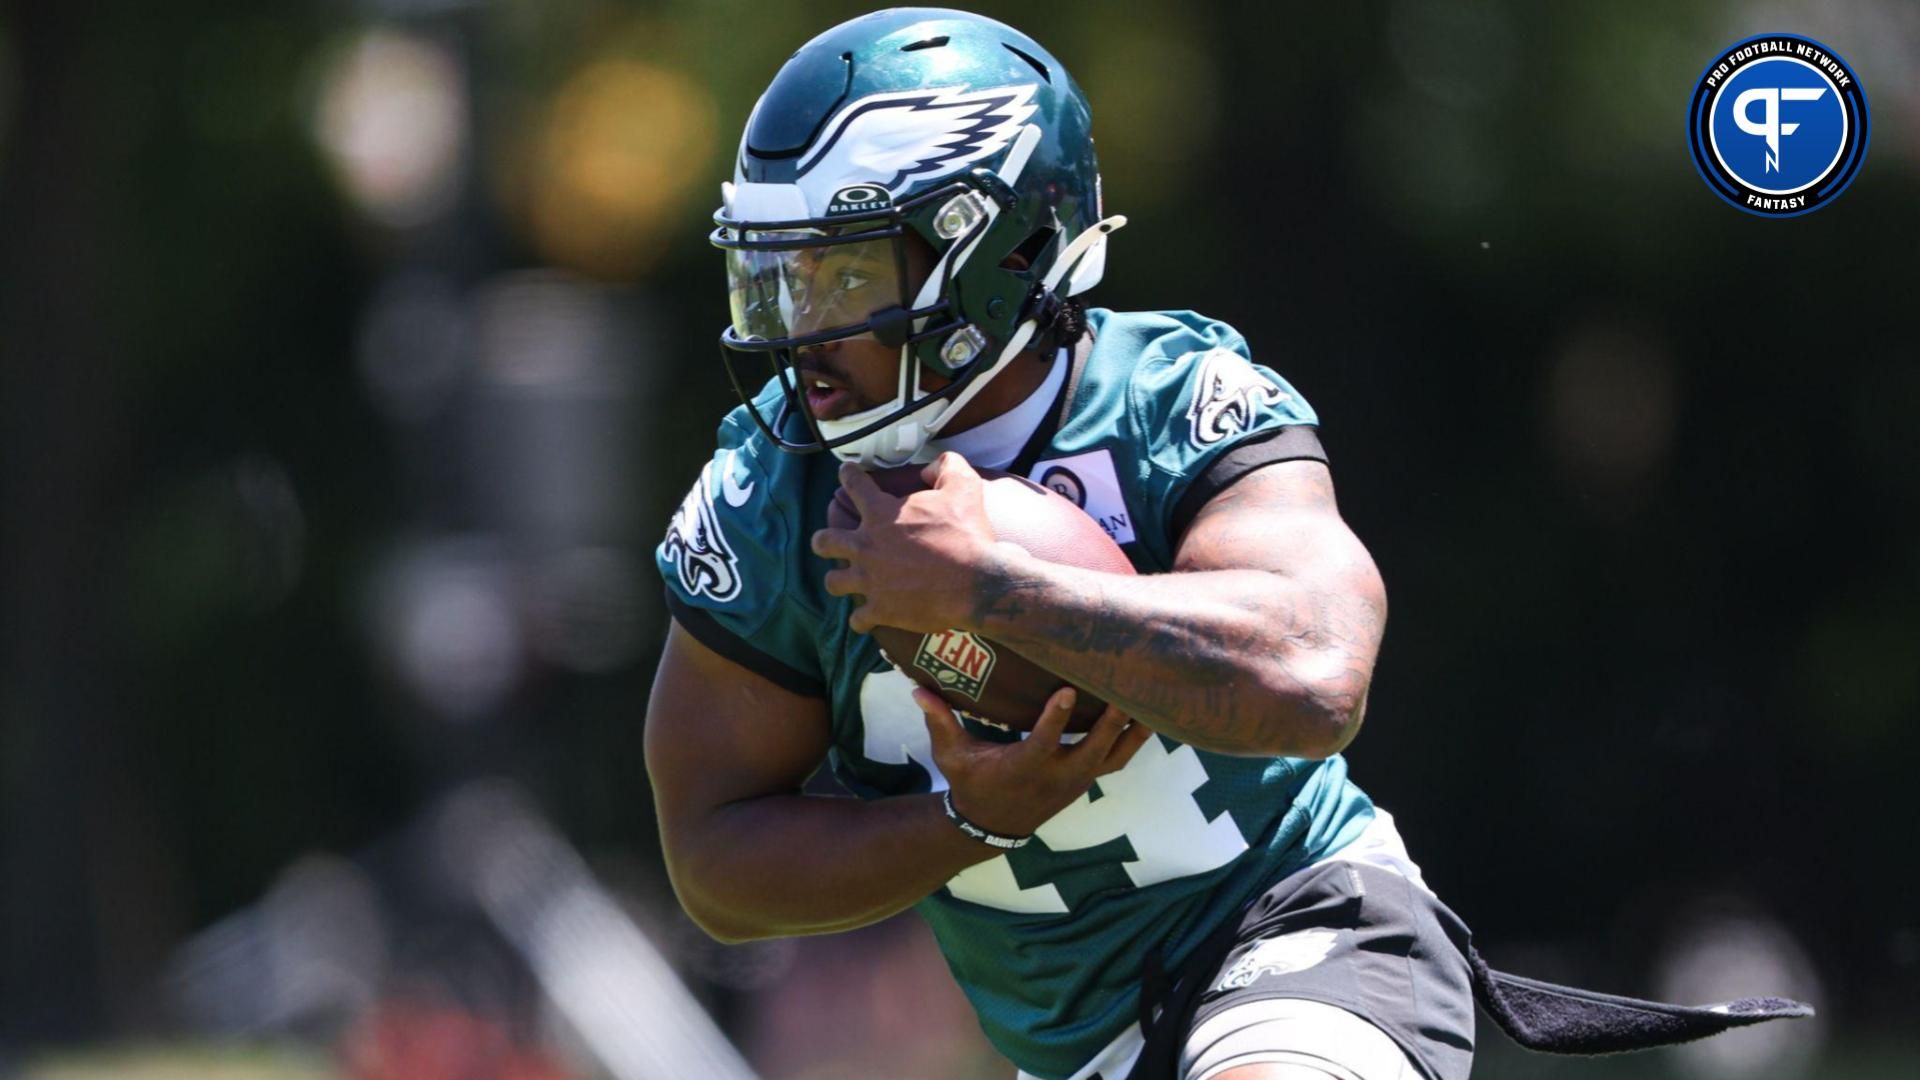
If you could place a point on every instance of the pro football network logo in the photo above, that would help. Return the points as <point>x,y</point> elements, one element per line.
<point>1778,125</point>
<point>957,660</point>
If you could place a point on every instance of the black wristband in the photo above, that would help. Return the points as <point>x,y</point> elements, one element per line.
<point>991,839</point>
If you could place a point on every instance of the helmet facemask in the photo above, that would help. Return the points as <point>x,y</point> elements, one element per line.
<point>806,282</point>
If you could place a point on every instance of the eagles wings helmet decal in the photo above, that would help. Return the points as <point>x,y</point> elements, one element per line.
<point>1224,397</point>
<point>698,548</point>
<point>914,135</point>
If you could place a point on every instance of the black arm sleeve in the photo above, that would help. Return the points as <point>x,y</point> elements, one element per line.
<point>1298,442</point>
<point>708,631</point>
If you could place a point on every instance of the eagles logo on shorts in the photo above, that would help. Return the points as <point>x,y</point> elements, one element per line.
<point>1281,955</point>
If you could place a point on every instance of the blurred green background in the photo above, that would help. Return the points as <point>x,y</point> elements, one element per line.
<point>353,355</point>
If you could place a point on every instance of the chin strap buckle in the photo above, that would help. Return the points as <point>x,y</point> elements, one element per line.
<point>1044,301</point>
<point>1042,307</point>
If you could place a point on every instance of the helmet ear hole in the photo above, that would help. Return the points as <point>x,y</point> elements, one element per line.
<point>1030,249</point>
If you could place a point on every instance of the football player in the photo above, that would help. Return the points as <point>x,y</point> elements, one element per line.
<point>1194,888</point>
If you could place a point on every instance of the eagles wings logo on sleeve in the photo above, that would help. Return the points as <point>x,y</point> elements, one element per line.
<point>895,139</point>
<point>698,548</point>
<point>1226,397</point>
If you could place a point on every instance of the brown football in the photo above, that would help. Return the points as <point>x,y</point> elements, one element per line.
<point>981,678</point>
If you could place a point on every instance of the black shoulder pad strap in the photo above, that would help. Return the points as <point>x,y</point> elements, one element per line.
<point>1296,442</point>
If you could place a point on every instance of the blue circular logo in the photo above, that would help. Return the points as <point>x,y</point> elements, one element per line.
<point>1778,125</point>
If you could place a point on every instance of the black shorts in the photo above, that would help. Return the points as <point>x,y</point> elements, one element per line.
<point>1348,934</point>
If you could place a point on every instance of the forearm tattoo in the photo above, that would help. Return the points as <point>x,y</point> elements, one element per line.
<point>1271,656</point>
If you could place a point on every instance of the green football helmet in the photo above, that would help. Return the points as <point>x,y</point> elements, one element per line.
<point>920,122</point>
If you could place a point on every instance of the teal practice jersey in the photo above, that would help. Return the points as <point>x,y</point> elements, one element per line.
<point>1050,941</point>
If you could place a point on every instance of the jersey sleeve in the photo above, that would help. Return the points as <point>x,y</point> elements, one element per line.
<point>1209,416</point>
<point>727,559</point>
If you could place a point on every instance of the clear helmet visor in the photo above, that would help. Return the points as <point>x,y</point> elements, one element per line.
<point>809,290</point>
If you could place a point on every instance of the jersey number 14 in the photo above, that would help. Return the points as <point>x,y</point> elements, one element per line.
<point>1149,804</point>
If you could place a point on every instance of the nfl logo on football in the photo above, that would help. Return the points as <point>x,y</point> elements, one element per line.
<point>957,660</point>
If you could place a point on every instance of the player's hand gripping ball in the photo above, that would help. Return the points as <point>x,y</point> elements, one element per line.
<point>983,679</point>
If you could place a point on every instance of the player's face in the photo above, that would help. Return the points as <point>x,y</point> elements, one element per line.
<point>806,291</point>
